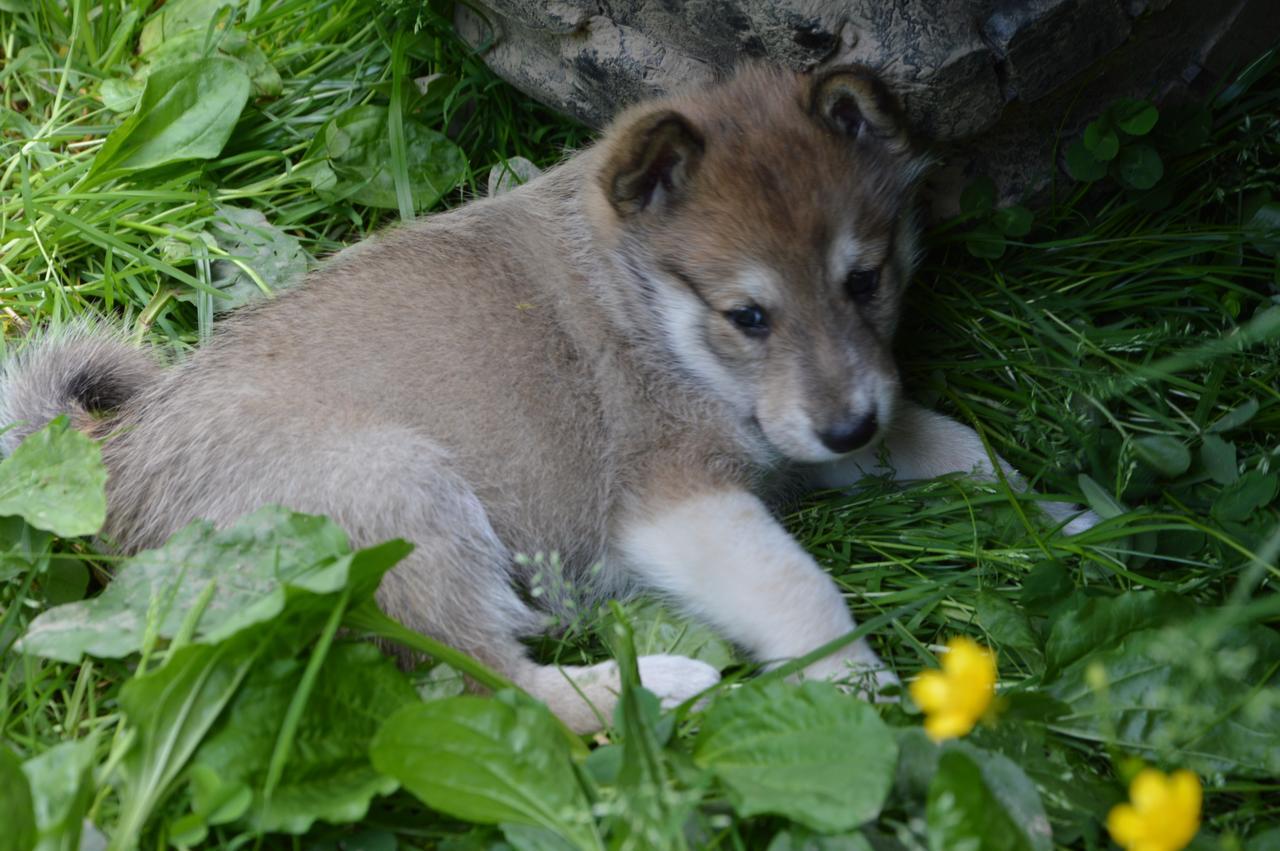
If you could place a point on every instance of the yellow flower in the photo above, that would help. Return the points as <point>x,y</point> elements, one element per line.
<point>1163,813</point>
<point>954,698</point>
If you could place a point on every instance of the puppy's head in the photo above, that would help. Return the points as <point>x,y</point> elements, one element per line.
<point>766,224</point>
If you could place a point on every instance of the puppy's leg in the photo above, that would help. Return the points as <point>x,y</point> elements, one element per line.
<point>726,560</point>
<point>382,483</point>
<point>923,444</point>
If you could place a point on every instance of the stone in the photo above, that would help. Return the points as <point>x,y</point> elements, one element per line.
<point>989,83</point>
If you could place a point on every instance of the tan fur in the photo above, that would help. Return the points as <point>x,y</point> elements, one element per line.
<point>555,369</point>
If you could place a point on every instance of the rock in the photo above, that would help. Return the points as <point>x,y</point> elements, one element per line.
<point>969,72</point>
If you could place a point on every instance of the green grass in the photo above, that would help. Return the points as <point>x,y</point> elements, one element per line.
<point>1124,353</point>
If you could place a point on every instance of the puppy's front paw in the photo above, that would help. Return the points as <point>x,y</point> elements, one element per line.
<point>859,671</point>
<point>675,679</point>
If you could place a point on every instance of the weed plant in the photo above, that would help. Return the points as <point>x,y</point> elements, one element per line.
<point>1120,345</point>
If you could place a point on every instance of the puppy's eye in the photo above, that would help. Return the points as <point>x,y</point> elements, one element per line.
<point>861,284</point>
<point>751,320</point>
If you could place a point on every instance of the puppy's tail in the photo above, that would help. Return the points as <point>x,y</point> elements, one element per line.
<point>83,371</point>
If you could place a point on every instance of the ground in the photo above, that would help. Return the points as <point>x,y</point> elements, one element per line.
<point>1118,340</point>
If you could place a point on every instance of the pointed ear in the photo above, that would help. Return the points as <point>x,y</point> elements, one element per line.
<point>853,102</point>
<point>651,163</point>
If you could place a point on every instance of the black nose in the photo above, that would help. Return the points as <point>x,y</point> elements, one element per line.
<point>849,435</point>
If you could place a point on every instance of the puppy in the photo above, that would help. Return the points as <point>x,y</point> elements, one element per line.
<point>608,362</point>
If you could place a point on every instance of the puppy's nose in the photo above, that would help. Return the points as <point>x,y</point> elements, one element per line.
<point>853,433</point>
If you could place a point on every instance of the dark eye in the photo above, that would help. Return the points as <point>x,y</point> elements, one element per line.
<point>751,320</point>
<point>861,284</point>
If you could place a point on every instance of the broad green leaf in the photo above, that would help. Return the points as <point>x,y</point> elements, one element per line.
<point>1219,459</point>
<point>1133,116</point>
<point>917,762</point>
<point>179,17</point>
<point>247,572</point>
<point>274,257</point>
<point>1191,694</point>
<point>16,813</point>
<point>985,241</point>
<point>264,76</point>
<point>217,798</point>
<point>65,580</point>
<point>1103,503</point>
<point>350,159</point>
<point>1027,703</point>
<point>1235,417</point>
<point>1082,165</point>
<point>1014,220</point>
<point>1168,456</point>
<point>1099,622</point>
<point>1046,586</point>
<point>187,112</point>
<point>1063,776</point>
<point>62,789</point>
<point>170,710</point>
<point>120,95</point>
<point>808,752</point>
<point>979,196</point>
<point>328,775</point>
<point>1138,166</point>
<point>799,839</point>
<point>509,174</point>
<point>1006,623</point>
<point>1254,490</point>
<point>55,480</point>
<point>982,800</point>
<point>197,44</point>
<point>1264,840</point>
<point>488,761</point>
<point>1101,141</point>
<point>526,837</point>
<point>23,548</point>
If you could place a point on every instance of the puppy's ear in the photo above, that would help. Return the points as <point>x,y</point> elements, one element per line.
<point>651,163</point>
<point>853,102</point>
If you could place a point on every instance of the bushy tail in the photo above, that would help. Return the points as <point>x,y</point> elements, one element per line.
<point>83,371</point>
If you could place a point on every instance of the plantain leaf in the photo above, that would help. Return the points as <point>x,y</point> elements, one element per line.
<point>328,775</point>
<point>808,752</point>
<point>1192,694</point>
<point>1006,623</point>
<point>16,812</point>
<point>1100,622</point>
<point>55,480</point>
<point>501,761</point>
<point>349,160</point>
<point>62,789</point>
<point>982,800</point>
<point>242,575</point>
<point>186,112</point>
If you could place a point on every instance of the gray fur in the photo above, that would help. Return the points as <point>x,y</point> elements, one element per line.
<point>497,379</point>
<point>81,370</point>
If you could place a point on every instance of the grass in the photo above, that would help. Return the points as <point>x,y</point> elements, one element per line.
<point>1124,353</point>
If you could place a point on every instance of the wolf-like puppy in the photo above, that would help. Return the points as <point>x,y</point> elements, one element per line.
<point>607,362</point>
